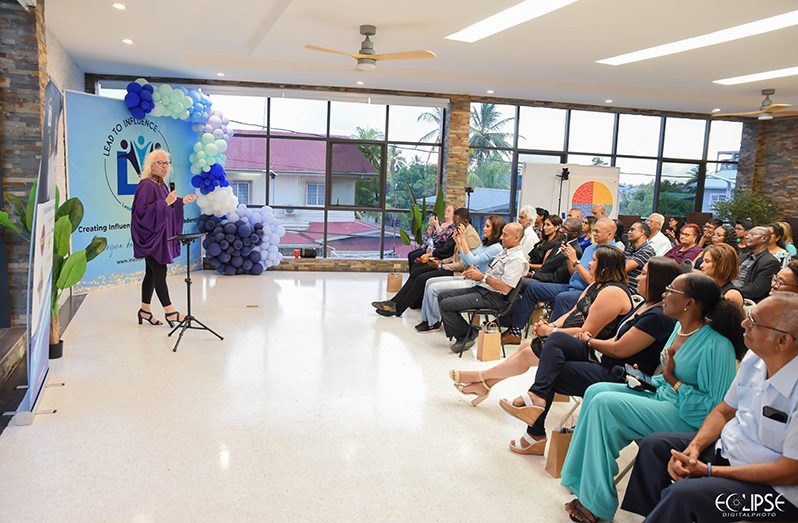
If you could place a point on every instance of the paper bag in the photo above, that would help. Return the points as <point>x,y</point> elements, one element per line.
<point>394,281</point>
<point>489,343</point>
<point>558,448</point>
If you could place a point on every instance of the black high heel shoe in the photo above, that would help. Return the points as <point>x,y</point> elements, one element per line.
<point>177,319</point>
<point>150,319</point>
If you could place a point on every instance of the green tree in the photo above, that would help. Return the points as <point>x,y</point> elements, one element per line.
<point>486,125</point>
<point>435,116</point>
<point>598,161</point>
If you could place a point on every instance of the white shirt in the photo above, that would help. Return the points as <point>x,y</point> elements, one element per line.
<point>508,266</point>
<point>661,243</point>
<point>528,241</point>
<point>750,437</point>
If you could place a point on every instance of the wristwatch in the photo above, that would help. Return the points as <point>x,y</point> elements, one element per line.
<point>484,278</point>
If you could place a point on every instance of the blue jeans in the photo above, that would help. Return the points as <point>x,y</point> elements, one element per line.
<point>430,311</point>
<point>533,293</point>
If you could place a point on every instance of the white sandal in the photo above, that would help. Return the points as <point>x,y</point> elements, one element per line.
<point>529,413</point>
<point>533,448</point>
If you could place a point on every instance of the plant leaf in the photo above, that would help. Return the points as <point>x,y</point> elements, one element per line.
<point>61,235</point>
<point>73,208</point>
<point>30,208</point>
<point>440,205</point>
<point>73,270</point>
<point>95,247</point>
<point>58,263</point>
<point>405,237</point>
<point>5,221</point>
<point>19,208</point>
<point>57,197</point>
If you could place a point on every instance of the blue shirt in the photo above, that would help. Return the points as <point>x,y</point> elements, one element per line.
<point>752,438</point>
<point>576,282</point>
<point>481,256</point>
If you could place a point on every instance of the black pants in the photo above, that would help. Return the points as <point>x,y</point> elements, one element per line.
<point>564,368</point>
<point>412,255</point>
<point>154,278</point>
<point>453,301</point>
<point>411,294</point>
<point>652,493</point>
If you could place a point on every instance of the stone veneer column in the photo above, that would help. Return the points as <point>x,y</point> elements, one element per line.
<point>455,170</point>
<point>23,77</point>
<point>769,161</point>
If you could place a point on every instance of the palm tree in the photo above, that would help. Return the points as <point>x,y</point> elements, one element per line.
<point>486,123</point>
<point>434,117</point>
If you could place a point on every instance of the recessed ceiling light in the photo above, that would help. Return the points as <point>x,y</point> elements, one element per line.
<point>608,101</point>
<point>716,110</point>
<point>490,91</point>
<point>360,82</point>
<point>219,74</point>
<point>127,41</point>
<point>767,75</point>
<point>119,6</point>
<point>765,25</point>
<point>518,14</point>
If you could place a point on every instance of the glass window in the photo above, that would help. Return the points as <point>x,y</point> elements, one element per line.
<point>293,115</point>
<point>395,222</point>
<point>719,185</point>
<point>357,120</point>
<point>492,125</point>
<point>684,138</point>
<point>636,186</point>
<point>588,159</point>
<point>241,191</point>
<point>414,124</point>
<point>314,194</point>
<point>415,165</point>
<point>246,163</point>
<point>638,135</point>
<point>724,141</point>
<point>541,128</point>
<point>591,132</point>
<point>489,176</point>
<point>356,174</point>
<point>677,188</point>
<point>293,164</point>
<point>244,112</point>
<point>353,234</point>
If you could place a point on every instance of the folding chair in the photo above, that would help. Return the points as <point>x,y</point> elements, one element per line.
<point>512,297</point>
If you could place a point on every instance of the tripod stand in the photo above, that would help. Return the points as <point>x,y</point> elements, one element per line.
<point>189,320</point>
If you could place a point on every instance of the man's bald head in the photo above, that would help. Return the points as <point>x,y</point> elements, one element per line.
<point>599,211</point>
<point>787,306</point>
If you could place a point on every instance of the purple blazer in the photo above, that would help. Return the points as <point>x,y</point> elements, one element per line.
<point>153,221</point>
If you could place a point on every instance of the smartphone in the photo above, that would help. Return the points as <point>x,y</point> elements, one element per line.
<point>645,380</point>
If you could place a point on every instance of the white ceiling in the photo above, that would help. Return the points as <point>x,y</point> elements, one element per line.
<point>551,58</point>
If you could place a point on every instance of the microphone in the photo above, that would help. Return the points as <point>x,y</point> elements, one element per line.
<point>171,188</point>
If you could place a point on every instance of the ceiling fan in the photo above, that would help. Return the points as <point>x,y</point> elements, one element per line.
<point>366,58</point>
<point>767,110</point>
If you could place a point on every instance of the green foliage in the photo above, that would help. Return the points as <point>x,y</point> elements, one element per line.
<point>73,209</point>
<point>30,208</point>
<point>72,270</point>
<point>5,221</point>
<point>747,204</point>
<point>675,199</point>
<point>61,235</point>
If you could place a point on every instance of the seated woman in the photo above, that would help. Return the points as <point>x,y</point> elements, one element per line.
<point>480,258</point>
<point>788,241</point>
<point>587,232</point>
<point>698,367</point>
<point>786,280</point>
<point>551,237</point>
<point>411,293</point>
<point>722,264</point>
<point>600,309</point>
<point>776,244</point>
<point>687,248</point>
<point>722,234</point>
<point>437,237</point>
<point>569,365</point>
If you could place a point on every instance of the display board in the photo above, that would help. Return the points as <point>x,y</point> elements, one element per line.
<point>542,185</point>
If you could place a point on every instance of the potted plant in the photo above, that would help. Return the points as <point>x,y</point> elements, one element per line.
<point>747,204</point>
<point>68,269</point>
<point>417,215</point>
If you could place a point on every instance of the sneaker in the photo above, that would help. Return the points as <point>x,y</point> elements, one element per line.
<point>465,343</point>
<point>426,327</point>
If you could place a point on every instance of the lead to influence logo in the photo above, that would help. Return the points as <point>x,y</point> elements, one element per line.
<point>749,505</point>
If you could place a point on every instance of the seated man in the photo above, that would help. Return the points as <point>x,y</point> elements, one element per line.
<point>757,265</point>
<point>575,212</point>
<point>637,252</point>
<point>488,290</point>
<point>743,462</point>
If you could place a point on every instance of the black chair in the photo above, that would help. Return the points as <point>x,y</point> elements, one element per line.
<point>497,313</point>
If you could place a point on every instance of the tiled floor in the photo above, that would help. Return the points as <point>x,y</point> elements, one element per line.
<point>313,408</point>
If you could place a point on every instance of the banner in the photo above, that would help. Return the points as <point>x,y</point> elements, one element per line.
<point>106,147</point>
<point>40,271</point>
<point>594,185</point>
<point>542,185</point>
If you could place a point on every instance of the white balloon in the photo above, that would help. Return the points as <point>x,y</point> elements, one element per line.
<point>233,217</point>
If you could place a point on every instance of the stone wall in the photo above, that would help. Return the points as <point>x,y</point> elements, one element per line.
<point>455,169</point>
<point>23,65</point>
<point>341,265</point>
<point>769,161</point>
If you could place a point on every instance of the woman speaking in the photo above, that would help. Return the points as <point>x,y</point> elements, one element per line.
<point>157,215</point>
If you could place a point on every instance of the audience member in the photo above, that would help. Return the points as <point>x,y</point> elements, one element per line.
<point>673,229</point>
<point>687,248</point>
<point>637,252</point>
<point>599,211</point>
<point>776,245</point>
<point>789,244</point>
<point>540,215</point>
<point>551,238</point>
<point>709,229</point>
<point>479,258</point>
<point>722,264</point>
<point>721,234</point>
<point>526,217</point>
<point>570,365</point>
<point>620,241</point>
<point>658,240</point>
<point>587,232</point>
<point>746,448</point>
<point>575,212</point>
<point>757,265</point>
<point>600,309</point>
<point>555,266</point>
<point>786,280</point>
<point>698,367</point>
<point>437,235</point>
<point>741,227</point>
<point>489,289</point>
<point>412,292</point>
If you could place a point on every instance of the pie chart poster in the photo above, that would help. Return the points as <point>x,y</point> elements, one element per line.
<point>589,186</point>
<point>106,147</point>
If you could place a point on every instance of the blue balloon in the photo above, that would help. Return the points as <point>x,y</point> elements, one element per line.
<point>229,270</point>
<point>236,261</point>
<point>133,87</point>
<point>212,221</point>
<point>218,237</point>
<point>246,241</point>
<point>224,257</point>
<point>214,249</point>
<point>230,237</point>
<point>220,269</point>
<point>203,190</point>
<point>245,251</point>
<point>247,265</point>
<point>244,231</point>
<point>196,181</point>
<point>254,238</point>
<point>148,88</point>
<point>145,95</point>
<point>237,245</point>
<point>218,230</point>
<point>229,228</point>
<point>224,244</point>
<point>138,113</point>
<point>132,100</point>
<point>224,183</point>
<point>255,256</point>
<point>257,268</point>
<point>215,263</point>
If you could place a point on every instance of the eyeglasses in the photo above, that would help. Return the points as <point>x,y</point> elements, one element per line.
<point>751,321</point>
<point>163,163</point>
<point>778,282</point>
<point>670,289</point>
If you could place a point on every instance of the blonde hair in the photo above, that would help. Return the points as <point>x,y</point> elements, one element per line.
<point>151,158</point>
<point>787,232</point>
